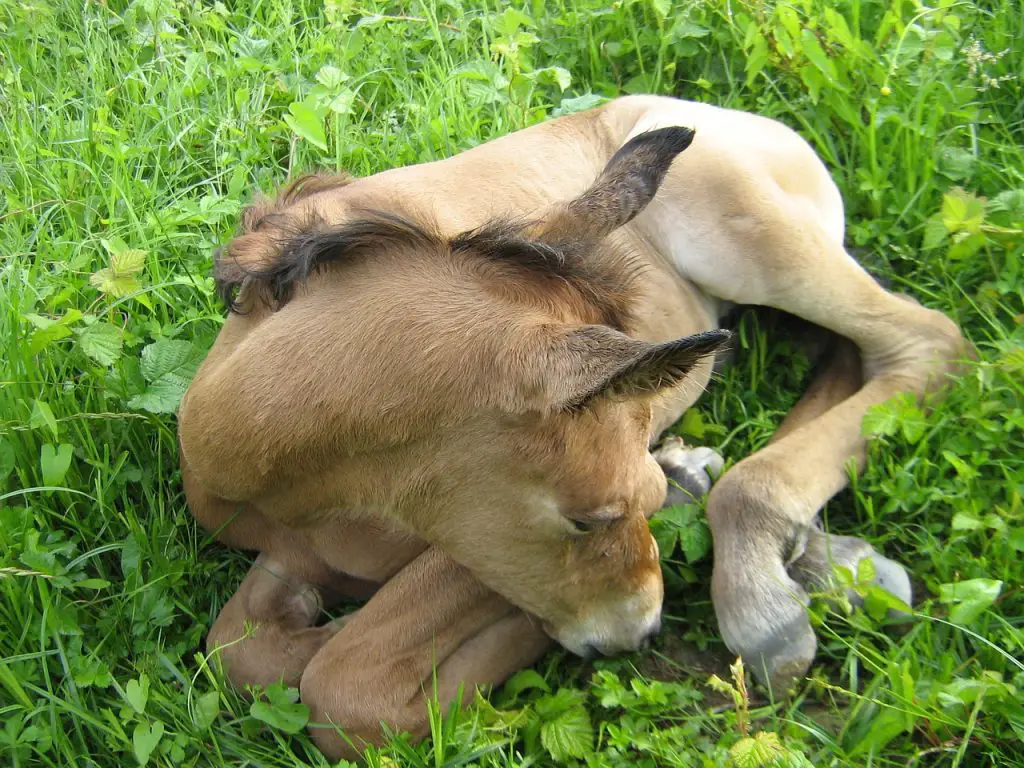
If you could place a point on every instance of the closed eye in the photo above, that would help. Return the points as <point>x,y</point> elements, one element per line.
<point>584,526</point>
<point>597,518</point>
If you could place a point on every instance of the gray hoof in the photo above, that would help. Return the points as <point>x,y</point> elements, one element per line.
<point>784,657</point>
<point>762,615</point>
<point>814,569</point>
<point>690,471</point>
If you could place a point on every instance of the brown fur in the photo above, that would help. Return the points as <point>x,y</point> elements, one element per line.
<point>442,382</point>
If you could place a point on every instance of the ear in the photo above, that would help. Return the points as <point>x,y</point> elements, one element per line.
<point>594,360</point>
<point>626,185</point>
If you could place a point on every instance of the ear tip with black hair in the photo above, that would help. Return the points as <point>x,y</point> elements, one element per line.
<point>665,142</point>
<point>674,138</point>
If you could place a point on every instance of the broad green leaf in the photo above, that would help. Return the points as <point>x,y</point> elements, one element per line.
<point>168,366</point>
<point>525,680</point>
<point>866,571</point>
<point>878,601</point>
<point>43,337</point>
<point>838,29</point>
<point>331,77</point>
<point>684,28</point>
<point>1011,201</point>
<point>1016,538</point>
<point>568,735</point>
<point>579,104</point>
<point>102,342</point>
<point>964,521</point>
<point>206,709</point>
<point>305,122</point>
<point>817,56</point>
<point>281,712</point>
<point>557,75</point>
<point>757,58</point>
<point>913,424</point>
<point>963,470</point>
<point>661,8</point>
<point>54,462</point>
<point>885,727</point>
<point>145,739</point>
<point>969,598</point>
<point>136,693</point>
<point>935,233</point>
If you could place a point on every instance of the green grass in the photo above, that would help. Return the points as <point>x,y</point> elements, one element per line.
<point>131,134</point>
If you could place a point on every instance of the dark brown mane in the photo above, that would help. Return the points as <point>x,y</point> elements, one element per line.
<point>264,211</point>
<point>294,250</point>
<point>602,274</point>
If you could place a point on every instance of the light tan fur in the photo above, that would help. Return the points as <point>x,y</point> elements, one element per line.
<point>471,441</point>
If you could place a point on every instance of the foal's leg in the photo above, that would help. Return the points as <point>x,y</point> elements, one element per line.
<point>753,218</point>
<point>761,512</point>
<point>433,617</point>
<point>266,632</point>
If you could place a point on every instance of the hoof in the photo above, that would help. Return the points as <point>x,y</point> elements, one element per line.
<point>690,471</point>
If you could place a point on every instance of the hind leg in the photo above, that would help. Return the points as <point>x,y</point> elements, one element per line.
<point>750,215</point>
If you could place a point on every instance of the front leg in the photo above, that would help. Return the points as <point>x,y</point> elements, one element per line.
<point>433,624</point>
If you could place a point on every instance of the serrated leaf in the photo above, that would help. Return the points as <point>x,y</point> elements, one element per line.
<point>962,211</point>
<point>168,366</point>
<point>113,285</point>
<point>913,424</point>
<point>128,262</point>
<point>568,735</point>
<point>119,279</point>
<point>866,571</point>
<point>206,709</point>
<point>54,462</point>
<point>969,598</point>
<point>307,124</point>
<point>136,693</point>
<point>758,751</point>
<point>695,541</point>
<point>102,342</point>
<point>145,739</point>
